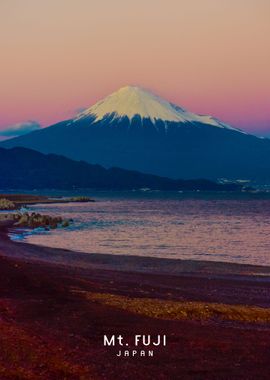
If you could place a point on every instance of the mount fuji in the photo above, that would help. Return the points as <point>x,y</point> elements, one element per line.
<point>135,129</point>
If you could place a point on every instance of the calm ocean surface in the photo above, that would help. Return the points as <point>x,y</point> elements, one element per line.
<point>163,225</point>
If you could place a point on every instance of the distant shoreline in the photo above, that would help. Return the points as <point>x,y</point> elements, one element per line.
<point>21,200</point>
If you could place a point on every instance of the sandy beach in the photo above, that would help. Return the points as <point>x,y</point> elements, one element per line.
<point>57,305</point>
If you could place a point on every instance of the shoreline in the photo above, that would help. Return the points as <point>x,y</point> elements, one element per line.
<point>162,272</point>
<point>56,306</point>
<point>131,263</point>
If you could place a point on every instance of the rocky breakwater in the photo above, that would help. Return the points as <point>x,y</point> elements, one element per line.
<point>35,220</point>
<point>6,204</point>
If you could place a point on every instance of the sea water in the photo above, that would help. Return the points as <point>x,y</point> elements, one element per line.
<point>229,228</point>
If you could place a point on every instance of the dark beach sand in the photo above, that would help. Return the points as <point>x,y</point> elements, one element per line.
<point>56,305</point>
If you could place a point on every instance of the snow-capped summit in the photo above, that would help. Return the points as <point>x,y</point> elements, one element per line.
<point>133,100</point>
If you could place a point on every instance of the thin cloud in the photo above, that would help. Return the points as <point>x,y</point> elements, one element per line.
<point>19,129</point>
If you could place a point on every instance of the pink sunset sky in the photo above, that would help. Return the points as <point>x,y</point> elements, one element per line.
<point>209,56</point>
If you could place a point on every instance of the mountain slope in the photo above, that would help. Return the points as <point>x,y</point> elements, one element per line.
<point>22,168</point>
<point>134,129</point>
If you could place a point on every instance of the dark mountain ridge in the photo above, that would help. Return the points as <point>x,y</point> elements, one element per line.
<point>22,168</point>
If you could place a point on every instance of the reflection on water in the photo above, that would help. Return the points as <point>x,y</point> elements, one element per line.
<point>219,230</point>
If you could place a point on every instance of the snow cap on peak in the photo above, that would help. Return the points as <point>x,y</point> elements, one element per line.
<point>134,100</point>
